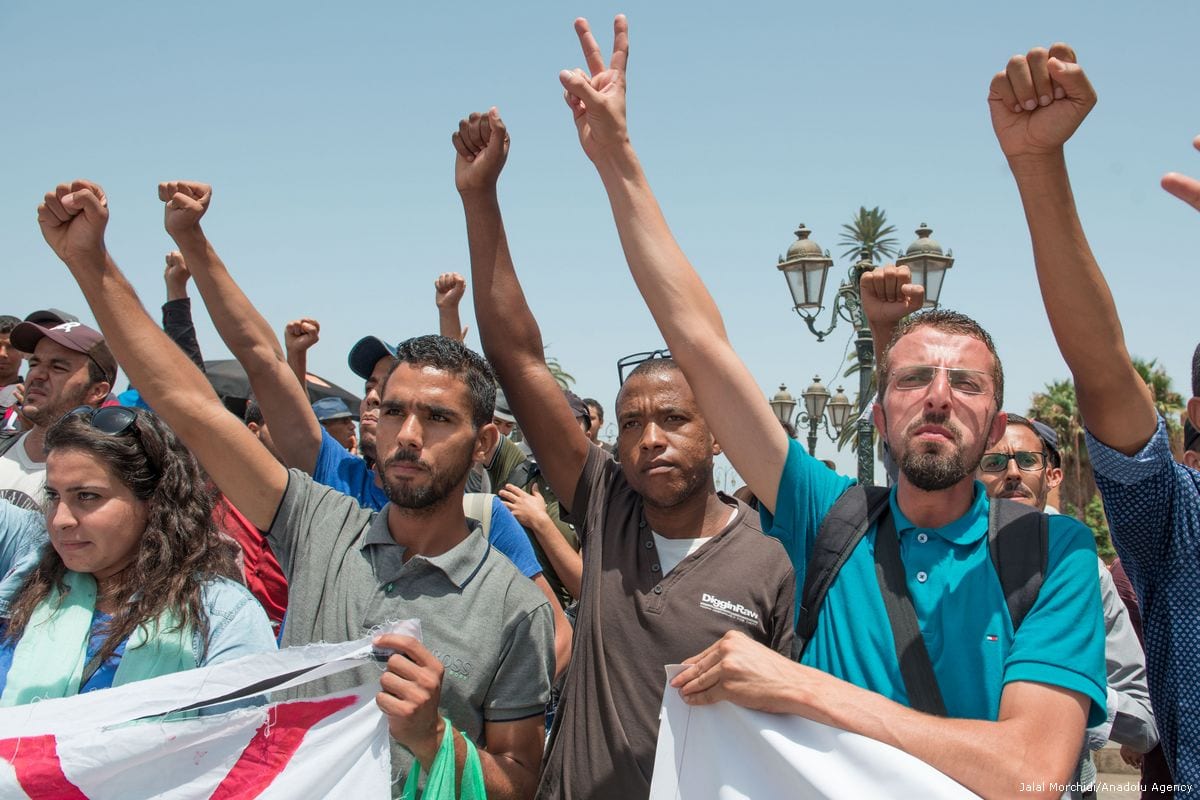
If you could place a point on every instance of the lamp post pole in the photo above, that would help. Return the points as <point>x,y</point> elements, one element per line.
<point>806,268</point>
<point>819,411</point>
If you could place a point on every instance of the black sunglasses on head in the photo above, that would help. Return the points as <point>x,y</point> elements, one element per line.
<point>629,363</point>
<point>112,420</point>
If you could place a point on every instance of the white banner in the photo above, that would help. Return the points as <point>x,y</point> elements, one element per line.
<point>83,747</point>
<point>728,752</point>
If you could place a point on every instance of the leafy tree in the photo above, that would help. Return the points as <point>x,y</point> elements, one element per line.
<point>1058,408</point>
<point>1093,517</point>
<point>869,230</point>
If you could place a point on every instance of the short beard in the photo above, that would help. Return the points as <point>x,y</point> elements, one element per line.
<point>933,472</point>
<point>44,416</point>
<point>425,498</point>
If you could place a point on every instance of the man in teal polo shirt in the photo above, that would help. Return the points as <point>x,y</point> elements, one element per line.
<point>1017,705</point>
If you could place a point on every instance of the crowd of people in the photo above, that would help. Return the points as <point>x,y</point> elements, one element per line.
<point>951,614</point>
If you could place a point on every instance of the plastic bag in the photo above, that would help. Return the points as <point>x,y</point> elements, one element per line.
<point>439,785</point>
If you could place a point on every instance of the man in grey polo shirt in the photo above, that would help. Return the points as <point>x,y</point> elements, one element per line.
<point>345,574</point>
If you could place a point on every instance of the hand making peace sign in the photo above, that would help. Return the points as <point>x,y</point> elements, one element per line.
<point>598,100</point>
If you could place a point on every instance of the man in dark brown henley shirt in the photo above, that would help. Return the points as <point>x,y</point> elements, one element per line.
<point>670,566</point>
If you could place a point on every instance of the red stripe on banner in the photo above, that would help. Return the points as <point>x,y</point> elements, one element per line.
<point>39,771</point>
<point>273,745</point>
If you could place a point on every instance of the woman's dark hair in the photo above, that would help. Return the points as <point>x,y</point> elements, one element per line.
<point>180,548</point>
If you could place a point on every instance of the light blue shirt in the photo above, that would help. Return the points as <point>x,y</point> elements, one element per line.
<point>958,600</point>
<point>22,535</point>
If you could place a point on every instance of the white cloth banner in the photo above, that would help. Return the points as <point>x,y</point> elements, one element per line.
<point>728,752</point>
<point>83,747</point>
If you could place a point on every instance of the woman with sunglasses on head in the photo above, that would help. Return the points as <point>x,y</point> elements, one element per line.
<point>137,582</point>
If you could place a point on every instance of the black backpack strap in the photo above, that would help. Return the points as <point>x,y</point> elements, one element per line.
<point>1019,544</point>
<point>841,531</point>
<point>915,666</point>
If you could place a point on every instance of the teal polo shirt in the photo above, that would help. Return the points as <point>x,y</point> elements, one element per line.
<point>958,601</point>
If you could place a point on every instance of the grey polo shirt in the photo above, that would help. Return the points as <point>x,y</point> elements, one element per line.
<point>633,620</point>
<point>489,625</point>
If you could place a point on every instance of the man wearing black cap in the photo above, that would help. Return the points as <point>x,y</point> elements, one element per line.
<point>69,366</point>
<point>1024,465</point>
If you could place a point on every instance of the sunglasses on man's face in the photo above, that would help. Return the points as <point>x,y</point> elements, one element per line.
<point>112,420</point>
<point>629,363</point>
<point>1027,461</point>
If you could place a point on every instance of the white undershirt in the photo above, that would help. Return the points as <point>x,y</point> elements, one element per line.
<point>672,551</point>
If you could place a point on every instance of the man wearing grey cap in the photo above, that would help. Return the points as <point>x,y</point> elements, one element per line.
<point>69,366</point>
<point>336,418</point>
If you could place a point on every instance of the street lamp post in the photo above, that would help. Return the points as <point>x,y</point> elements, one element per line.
<point>806,269</point>
<point>819,411</point>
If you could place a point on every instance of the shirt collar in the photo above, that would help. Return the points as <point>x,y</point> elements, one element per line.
<point>459,564</point>
<point>967,529</point>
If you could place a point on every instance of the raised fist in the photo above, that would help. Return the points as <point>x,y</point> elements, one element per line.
<point>176,273</point>
<point>73,218</point>
<point>186,202</point>
<point>450,287</point>
<point>482,145</point>
<point>889,295</point>
<point>301,334</point>
<point>1038,101</point>
<point>598,100</point>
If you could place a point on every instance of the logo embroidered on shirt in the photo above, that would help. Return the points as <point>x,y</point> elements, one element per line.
<point>991,637</point>
<point>730,609</point>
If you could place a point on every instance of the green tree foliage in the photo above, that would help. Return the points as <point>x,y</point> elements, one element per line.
<point>869,230</point>
<point>1093,517</point>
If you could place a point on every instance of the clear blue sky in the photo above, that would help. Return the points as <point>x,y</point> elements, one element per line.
<point>325,128</point>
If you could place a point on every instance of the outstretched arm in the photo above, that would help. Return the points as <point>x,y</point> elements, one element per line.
<point>299,336</point>
<point>732,403</point>
<point>1036,105</point>
<point>509,333</point>
<point>1185,188</point>
<point>248,336</point>
<point>73,218</point>
<point>177,311</point>
<point>449,288</point>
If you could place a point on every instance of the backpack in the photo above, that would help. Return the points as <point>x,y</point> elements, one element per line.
<point>1018,543</point>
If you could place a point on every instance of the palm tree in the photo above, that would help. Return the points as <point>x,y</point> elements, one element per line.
<point>1058,407</point>
<point>564,378</point>
<point>869,230</point>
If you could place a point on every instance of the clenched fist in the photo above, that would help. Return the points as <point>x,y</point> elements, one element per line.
<point>186,202</point>
<point>482,145</point>
<point>73,218</point>
<point>449,288</point>
<point>1038,101</point>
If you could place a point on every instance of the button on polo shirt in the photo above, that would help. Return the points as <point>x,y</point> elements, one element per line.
<point>960,605</point>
